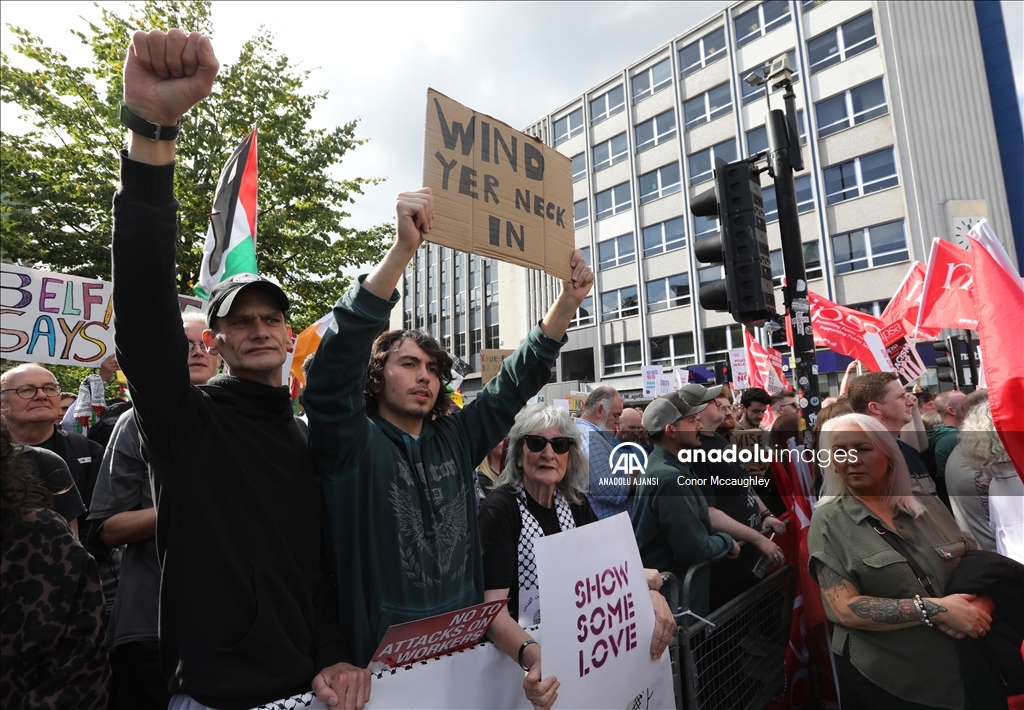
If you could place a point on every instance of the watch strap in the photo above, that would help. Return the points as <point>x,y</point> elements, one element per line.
<point>153,131</point>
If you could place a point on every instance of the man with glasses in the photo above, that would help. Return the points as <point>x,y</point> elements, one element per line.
<point>30,398</point>
<point>122,513</point>
<point>880,395</point>
<point>396,469</point>
<point>784,403</point>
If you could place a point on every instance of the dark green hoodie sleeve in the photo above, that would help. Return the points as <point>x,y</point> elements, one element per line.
<point>487,419</point>
<point>333,397</point>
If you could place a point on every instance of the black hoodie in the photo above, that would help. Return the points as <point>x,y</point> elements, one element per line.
<point>247,609</point>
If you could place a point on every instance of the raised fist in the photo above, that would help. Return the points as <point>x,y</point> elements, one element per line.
<point>166,74</point>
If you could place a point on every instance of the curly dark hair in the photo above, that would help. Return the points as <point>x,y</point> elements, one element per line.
<point>382,348</point>
<point>20,491</point>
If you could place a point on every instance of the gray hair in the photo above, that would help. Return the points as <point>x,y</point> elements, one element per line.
<point>601,395</point>
<point>898,493</point>
<point>194,317</point>
<point>979,440</point>
<point>538,418</point>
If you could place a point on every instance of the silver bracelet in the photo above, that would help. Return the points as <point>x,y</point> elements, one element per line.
<point>921,611</point>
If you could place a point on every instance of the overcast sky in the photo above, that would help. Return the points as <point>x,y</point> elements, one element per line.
<point>514,61</point>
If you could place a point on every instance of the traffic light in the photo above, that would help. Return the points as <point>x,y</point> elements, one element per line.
<point>722,373</point>
<point>741,245</point>
<point>950,367</point>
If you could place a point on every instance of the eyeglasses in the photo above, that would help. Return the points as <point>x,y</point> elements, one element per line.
<point>201,346</point>
<point>536,443</point>
<point>29,391</point>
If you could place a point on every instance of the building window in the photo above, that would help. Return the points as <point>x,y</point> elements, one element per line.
<point>860,176</point>
<point>619,303</point>
<point>493,341</point>
<point>669,292</point>
<point>659,183</point>
<point>673,350</point>
<point>568,126</point>
<point>809,5</point>
<point>752,93</point>
<point>622,357</point>
<point>613,200</point>
<point>859,104</point>
<point>616,252</point>
<point>841,43</point>
<point>812,263</point>
<point>702,164</point>
<point>612,151</point>
<point>460,344</point>
<point>704,226</point>
<point>578,365</point>
<point>722,340</point>
<point>871,246</point>
<point>697,55</point>
<point>710,274</point>
<point>584,316</point>
<point>655,131</point>
<point>607,105</point>
<point>580,214</point>
<point>757,140</point>
<point>585,251</point>
<point>760,21</point>
<point>579,167</point>
<point>707,106</point>
<point>804,198</point>
<point>652,80</point>
<point>664,236</point>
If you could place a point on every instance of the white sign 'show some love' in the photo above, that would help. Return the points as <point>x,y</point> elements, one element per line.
<point>598,619</point>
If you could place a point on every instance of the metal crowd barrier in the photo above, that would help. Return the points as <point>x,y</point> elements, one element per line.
<point>733,658</point>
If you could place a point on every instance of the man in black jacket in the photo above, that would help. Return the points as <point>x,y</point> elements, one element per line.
<point>30,398</point>
<point>248,614</point>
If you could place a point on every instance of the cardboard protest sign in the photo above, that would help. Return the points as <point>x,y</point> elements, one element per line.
<point>490,363</point>
<point>498,193</point>
<point>436,635</point>
<point>598,619</point>
<point>58,319</point>
<point>901,353</point>
<point>749,440</point>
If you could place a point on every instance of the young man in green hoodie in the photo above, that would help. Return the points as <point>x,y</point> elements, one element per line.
<point>397,474</point>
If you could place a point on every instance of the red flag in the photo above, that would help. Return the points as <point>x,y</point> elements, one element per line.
<point>999,297</point>
<point>906,302</point>
<point>947,298</point>
<point>843,330</point>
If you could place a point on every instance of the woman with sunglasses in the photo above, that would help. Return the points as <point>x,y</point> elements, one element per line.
<point>540,492</point>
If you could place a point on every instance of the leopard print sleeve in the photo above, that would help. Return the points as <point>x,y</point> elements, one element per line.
<point>52,650</point>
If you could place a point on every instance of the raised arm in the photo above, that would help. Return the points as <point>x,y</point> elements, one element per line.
<point>562,311</point>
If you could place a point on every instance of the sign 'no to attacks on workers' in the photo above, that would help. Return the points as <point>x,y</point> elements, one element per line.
<point>497,192</point>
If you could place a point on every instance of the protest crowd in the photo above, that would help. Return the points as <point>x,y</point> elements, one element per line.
<point>204,547</point>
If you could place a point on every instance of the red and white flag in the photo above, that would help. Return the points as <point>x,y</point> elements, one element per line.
<point>906,302</point>
<point>999,299</point>
<point>947,298</point>
<point>848,332</point>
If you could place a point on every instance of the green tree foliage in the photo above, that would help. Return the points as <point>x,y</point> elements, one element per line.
<point>59,178</point>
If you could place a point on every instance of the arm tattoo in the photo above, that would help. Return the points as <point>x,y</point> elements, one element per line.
<point>885,611</point>
<point>831,582</point>
<point>932,608</point>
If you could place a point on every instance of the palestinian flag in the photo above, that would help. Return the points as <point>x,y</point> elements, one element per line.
<point>231,242</point>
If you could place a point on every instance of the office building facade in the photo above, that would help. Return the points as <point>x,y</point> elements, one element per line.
<point>906,136</point>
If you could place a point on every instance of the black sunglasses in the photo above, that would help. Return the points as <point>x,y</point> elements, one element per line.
<point>536,443</point>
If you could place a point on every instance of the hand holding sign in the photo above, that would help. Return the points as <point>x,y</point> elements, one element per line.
<point>415,213</point>
<point>343,686</point>
<point>582,279</point>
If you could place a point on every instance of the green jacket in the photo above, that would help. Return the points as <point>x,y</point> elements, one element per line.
<point>402,510</point>
<point>672,525</point>
<point>942,440</point>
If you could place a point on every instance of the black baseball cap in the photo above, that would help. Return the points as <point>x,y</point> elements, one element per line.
<point>223,294</point>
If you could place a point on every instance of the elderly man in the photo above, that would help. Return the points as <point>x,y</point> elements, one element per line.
<point>880,395</point>
<point>31,403</point>
<point>248,614</point>
<point>608,494</point>
<point>671,522</point>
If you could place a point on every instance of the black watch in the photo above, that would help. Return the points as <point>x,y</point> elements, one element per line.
<point>153,131</point>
